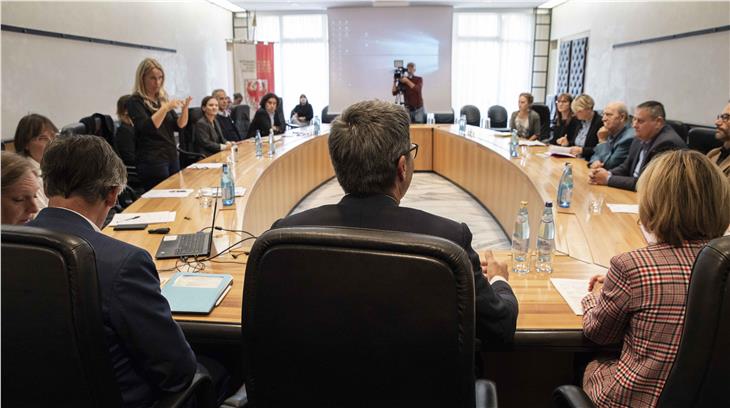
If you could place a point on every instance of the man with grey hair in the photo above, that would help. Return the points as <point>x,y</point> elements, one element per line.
<point>149,354</point>
<point>228,126</point>
<point>371,151</point>
<point>614,137</point>
<point>653,136</point>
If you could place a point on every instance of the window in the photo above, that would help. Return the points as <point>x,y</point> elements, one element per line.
<point>301,57</point>
<point>492,58</point>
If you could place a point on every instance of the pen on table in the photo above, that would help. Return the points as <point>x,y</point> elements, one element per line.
<point>130,219</point>
<point>225,292</point>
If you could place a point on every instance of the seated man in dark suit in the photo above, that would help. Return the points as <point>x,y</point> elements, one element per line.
<point>228,126</point>
<point>653,136</point>
<point>373,156</point>
<point>149,354</point>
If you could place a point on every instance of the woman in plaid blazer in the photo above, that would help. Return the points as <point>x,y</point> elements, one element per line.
<point>641,301</point>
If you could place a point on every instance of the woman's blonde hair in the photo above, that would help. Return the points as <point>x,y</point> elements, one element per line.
<point>683,196</point>
<point>144,67</point>
<point>14,167</point>
<point>581,102</point>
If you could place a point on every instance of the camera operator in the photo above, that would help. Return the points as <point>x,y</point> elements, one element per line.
<point>411,86</point>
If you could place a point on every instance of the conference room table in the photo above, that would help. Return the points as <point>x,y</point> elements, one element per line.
<point>478,162</point>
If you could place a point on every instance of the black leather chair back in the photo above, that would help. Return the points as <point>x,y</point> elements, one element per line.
<point>701,372</point>
<point>498,116</point>
<point>702,139</point>
<point>352,317</point>
<point>444,117</point>
<point>71,129</point>
<point>678,127</point>
<point>326,117</point>
<point>186,135</point>
<point>472,114</point>
<point>241,115</point>
<point>53,344</point>
<point>544,112</point>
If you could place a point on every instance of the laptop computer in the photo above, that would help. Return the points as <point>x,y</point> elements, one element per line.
<point>187,245</point>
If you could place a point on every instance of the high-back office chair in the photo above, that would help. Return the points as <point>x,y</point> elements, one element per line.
<point>678,127</point>
<point>447,117</point>
<point>498,116</point>
<point>472,114</point>
<point>53,342</point>
<point>702,139</point>
<point>185,142</point>
<point>544,112</point>
<point>699,376</point>
<point>241,115</point>
<point>326,116</point>
<point>71,129</point>
<point>355,317</point>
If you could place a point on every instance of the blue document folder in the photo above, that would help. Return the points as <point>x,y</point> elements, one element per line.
<point>196,292</point>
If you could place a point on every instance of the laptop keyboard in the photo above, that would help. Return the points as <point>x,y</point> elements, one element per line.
<point>191,244</point>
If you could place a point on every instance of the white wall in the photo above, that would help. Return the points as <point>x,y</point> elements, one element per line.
<point>691,76</point>
<point>67,80</point>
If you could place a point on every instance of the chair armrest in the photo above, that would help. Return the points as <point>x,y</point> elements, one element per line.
<point>237,400</point>
<point>201,389</point>
<point>570,396</point>
<point>486,394</point>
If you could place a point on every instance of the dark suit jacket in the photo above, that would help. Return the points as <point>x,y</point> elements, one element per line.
<point>622,175</point>
<point>149,353</point>
<point>496,305</point>
<point>207,138</point>
<point>591,137</point>
<point>262,123</point>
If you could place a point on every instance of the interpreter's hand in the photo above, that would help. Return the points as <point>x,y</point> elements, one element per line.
<point>596,284</point>
<point>576,150</point>
<point>491,267</point>
<point>598,176</point>
<point>596,164</point>
<point>172,104</point>
<point>186,102</point>
<point>563,141</point>
<point>602,134</point>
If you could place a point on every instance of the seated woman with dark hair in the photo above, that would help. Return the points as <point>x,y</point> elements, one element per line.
<point>683,200</point>
<point>303,113</point>
<point>564,122</point>
<point>207,134</point>
<point>525,120</point>
<point>32,136</point>
<point>125,139</point>
<point>266,118</point>
<point>20,188</point>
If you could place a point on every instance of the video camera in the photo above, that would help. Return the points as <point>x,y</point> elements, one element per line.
<point>399,70</point>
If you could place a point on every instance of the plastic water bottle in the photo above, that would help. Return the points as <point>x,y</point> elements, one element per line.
<point>565,188</point>
<point>514,143</point>
<point>228,188</point>
<point>462,125</point>
<point>546,240</point>
<point>316,125</point>
<point>259,145</point>
<point>521,241</point>
<point>272,145</point>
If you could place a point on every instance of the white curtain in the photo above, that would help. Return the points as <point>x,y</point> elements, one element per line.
<point>301,57</point>
<point>492,58</point>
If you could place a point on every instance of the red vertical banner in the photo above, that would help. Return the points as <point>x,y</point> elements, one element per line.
<point>265,66</point>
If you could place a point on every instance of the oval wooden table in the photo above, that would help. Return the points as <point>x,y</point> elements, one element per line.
<point>479,163</point>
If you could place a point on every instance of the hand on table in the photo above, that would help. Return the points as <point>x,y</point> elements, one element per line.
<point>598,176</point>
<point>596,284</point>
<point>491,267</point>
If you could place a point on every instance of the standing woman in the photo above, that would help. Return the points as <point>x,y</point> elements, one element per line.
<point>303,113</point>
<point>266,118</point>
<point>207,134</point>
<point>155,122</point>
<point>32,136</point>
<point>563,123</point>
<point>525,120</point>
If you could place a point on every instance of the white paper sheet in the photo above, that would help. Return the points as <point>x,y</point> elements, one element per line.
<point>201,166</point>
<point>168,193</point>
<point>560,151</point>
<point>572,291</point>
<point>624,208</point>
<point>525,142</point>
<point>143,218</point>
<point>210,191</point>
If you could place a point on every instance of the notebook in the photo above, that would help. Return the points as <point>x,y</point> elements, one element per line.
<point>196,292</point>
<point>186,245</point>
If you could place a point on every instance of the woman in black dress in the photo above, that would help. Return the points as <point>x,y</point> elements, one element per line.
<point>303,113</point>
<point>266,118</point>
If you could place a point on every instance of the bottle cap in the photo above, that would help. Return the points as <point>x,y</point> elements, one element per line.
<point>523,203</point>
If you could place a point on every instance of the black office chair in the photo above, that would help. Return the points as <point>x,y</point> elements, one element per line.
<point>498,116</point>
<point>699,376</point>
<point>326,117</point>
<point>472,114</point>
<point>185,142</point>
<point>241,115</point>
<point>53,342</point>
<point>355,317</point>
<point>544,112</point>
<point>678,127</point>
<point>447,117</point>
<point>71,129</point>
<point>702,139</point>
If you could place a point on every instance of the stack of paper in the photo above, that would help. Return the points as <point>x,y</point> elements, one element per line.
<point>205,166</point>
<point>525,142</point>
<point>168,193</point>
<point>143,218</point>
<point>560,151</point>
<point>624,208</point>
<point>211,191</point>
<point>573,291</point>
